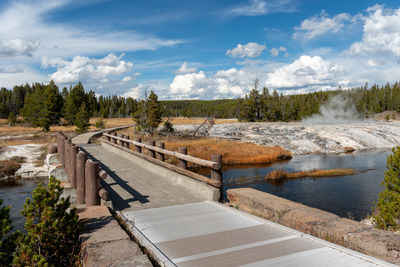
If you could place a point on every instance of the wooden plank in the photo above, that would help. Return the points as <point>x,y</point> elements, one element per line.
<point>170,166</point>
<point>202,162</point>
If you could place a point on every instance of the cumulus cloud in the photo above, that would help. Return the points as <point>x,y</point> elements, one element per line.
<point>305,72</point>
<point>275,51</point>
<point>17,47</point>
<point>251,49</point>
<point>321,24</point>
<point>260,7</point>
<point>184,69</point>
<point>223,84</point>
<point>381,33</point>
<point>88,69</point>
<point>136,92</point>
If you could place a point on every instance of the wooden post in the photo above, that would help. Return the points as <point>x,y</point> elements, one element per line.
<point>103,194</point>
<point>160,156</point>
<point>67,160</point>
<point>182,163</point>
<point>108,138</point>
<point>138,148</point>
<point>127,144</point>
<point>152,152</point>
<point>122,143</point>
<point>61,152</point>
<point>66,142</point>
<point>114,139</point>
<point>216,173</point>
<point>80,177</point>
<point>73,151</point>
<point>92,197</point>
<point>52,148</point>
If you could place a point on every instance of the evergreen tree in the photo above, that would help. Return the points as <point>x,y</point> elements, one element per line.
<point>387,210</point>
<point>52,231</point>
<point>43,107</point>
<point>148,116</point>
<point>75,98</point>
<point>7,241</point>
<point>82,119</point>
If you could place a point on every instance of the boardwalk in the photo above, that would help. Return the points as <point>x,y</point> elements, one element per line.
<point>186,230</point>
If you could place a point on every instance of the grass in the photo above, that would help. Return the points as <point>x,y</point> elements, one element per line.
<point>10,166</point>
<point>233,152</point>
<point>282,175</point>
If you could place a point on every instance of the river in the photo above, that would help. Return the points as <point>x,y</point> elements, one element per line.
<point>15,197</point>
<point>347,196</point>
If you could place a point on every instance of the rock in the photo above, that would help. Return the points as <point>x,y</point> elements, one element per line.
<point>349,149</point>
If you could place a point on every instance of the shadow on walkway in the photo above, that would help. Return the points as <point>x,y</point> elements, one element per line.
<point>118,202</point>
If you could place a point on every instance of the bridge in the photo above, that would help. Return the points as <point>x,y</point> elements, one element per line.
<point>177,215</point>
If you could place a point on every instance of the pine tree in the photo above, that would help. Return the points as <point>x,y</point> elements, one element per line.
<point>148,116</point>
<point>82,119</point>
<point>73,102</point>
<point>7,241</point>
<point>52,232</point>
<point>387,210</point>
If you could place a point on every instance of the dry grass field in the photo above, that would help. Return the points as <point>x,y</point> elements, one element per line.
<point>282,175</point>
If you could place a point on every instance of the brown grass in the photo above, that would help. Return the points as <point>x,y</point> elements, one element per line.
<point>233,152</point>
<point>39,138</point>
<point>184,120</point>
<point>281,174</point>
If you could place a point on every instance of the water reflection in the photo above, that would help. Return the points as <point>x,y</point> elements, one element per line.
<point>347,196</point>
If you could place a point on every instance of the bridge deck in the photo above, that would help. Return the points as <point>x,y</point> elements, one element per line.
<point>210,234</point>
<point>133,187</point>
<point>189,231</point>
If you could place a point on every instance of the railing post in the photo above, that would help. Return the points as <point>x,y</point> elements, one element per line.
<point>122,143</point>
<point>152,153</point>
<point>73,151</point>
<point>182,163</point>
<point>68,160</point>
<point>91,184</point>
<point>127,144</point>
<point>80,177</point>
<point>160,156</point>
<point>216,172</point>
<point>61,152</point>
<point>108,138</point>
<point>114,139</point>
<point>138,148</point>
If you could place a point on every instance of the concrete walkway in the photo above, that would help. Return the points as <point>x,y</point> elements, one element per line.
<point>84,138</point>
<point>210,234</point>
<point>133,187</point>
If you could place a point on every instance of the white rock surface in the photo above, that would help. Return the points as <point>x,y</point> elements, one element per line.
<point>32,152</point>
<point>303,138</point>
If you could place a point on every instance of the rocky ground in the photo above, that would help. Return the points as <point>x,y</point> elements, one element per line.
<point>304,138</point>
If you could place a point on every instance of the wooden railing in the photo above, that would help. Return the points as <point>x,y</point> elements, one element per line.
<point>157,155</point>
<point>83,174</point>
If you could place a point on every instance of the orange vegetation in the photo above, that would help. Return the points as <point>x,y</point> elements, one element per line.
<point>184,120</point>
<point>233,152</point>
<point>280,174</point>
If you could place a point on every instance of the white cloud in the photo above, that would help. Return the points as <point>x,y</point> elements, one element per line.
<point>24,19</point>
<point>319,25</point>
<point>305,72</point>
<point>136,92</point>
<point>127,79</point>
<point>275,51</point>
<point>90,69</point>
<point>17,47</point>
<point>229,83</point>
<point>184,69</point>
<point>251,49</point>
<point>373,63</point>
<point>260,7</point>
<point>381,33</point>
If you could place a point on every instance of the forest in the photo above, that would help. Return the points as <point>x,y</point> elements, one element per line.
<point>61,106</point>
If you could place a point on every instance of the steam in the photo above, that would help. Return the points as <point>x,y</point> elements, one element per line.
<point>336,110</point>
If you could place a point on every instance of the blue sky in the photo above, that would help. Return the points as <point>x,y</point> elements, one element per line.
<point>199,49</point>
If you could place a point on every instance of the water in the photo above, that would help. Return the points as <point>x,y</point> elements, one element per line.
<point>347,196</point>
<point>15,197</point>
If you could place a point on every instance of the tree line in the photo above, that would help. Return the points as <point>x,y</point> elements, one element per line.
<point>266,106</point>
<point>44,104</point>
